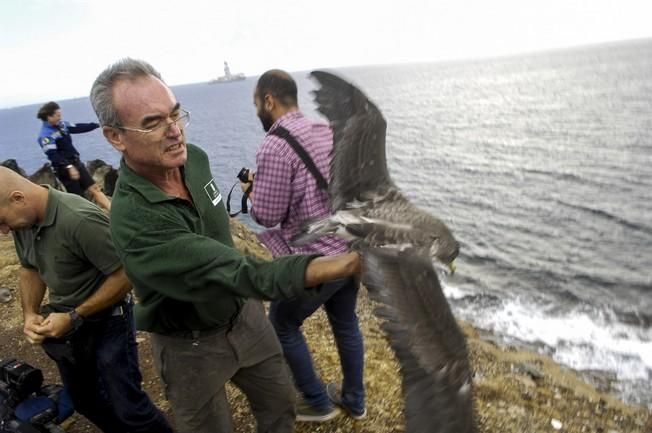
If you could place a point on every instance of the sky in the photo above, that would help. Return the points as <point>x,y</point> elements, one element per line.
<point>54,49</point>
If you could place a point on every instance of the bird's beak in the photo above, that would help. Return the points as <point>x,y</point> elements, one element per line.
<point>451,267</point>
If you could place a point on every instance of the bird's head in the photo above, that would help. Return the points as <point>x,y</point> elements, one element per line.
<point>444,251</point>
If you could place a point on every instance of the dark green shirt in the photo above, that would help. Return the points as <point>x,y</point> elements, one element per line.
<point>180,255</point>
<point>71,250</point>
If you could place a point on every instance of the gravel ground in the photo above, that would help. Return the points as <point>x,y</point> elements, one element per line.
<point>516,391</point>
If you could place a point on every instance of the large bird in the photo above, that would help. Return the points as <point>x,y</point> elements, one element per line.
<point>400,244</point>
<point>366,205</point>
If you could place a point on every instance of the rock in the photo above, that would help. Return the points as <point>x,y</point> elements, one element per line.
<point>5,295</point>
<point>95,164</point>
<point>110,179</point>
<point>600,407</point>
<point>602,380</point>
<point>530,370</point>
<point>556,424</point>
<point>45,176</point>
<point>13,165</point>
<point>517,411</point>
<point>104,175</point>
<point>526,381</point>
<point>42,176</point>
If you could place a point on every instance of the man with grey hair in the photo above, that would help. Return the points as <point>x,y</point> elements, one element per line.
<point>198,296</point>
<point>64,247</point>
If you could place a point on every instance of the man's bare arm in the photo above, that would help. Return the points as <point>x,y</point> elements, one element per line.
<point>32,290</point>
<point>328,268</point>
<point>114,289</point>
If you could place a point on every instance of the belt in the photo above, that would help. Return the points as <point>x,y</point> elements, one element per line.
<point>120,308</point>
<point>194,334</point>
<point>117,310</point>
<point>198,333</point>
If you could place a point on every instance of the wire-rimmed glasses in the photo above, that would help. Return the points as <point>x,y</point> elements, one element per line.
<point>181,118</point>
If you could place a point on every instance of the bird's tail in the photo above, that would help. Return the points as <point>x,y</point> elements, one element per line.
<point>314,229</point>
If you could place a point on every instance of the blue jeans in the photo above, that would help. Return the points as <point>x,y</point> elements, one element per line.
<point>339,299</point>
<point>99,369</point>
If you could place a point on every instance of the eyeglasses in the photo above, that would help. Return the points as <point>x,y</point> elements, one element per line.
<point>181,118</point>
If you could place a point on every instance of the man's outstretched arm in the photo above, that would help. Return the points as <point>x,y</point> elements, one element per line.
<point>324,269</point>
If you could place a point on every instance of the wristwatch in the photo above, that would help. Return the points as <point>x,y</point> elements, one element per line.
<point>75,319</point>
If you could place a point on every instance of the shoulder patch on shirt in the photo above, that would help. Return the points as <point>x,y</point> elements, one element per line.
<point>212,192</point>
<point>45,140</point>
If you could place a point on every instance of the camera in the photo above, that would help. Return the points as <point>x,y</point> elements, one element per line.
<point>20,377</point>
<point>243,175</point>
<point>25,405</point>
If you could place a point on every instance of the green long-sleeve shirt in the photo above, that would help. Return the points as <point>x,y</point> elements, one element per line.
<point>180,256</point>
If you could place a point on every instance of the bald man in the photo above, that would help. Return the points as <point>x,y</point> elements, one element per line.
<point>64,246</point>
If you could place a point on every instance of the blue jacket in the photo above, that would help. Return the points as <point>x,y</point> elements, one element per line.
<point>57,144</point>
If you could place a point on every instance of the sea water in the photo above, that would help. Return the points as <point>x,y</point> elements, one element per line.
<point>541,164</point>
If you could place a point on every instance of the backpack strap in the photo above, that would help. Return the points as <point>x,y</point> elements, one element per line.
<point>301,152</point>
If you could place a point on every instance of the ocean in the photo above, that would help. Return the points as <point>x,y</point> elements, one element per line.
<point>541,164</point>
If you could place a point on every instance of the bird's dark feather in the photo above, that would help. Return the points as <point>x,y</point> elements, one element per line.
<point>426,339</point>
<point>408,285</point>
<point>358,164</point>
<point>398,242</point>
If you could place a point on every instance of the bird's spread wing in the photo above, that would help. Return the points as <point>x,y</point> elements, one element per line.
<point>358,164</point>
<point>426,339</point>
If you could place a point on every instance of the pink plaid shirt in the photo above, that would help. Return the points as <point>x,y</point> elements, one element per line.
<point>285,194</point>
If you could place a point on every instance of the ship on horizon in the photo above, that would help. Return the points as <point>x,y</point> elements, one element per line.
<point>228,76</point>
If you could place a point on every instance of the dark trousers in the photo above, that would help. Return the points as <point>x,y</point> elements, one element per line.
<point>339,299</point>
<point>99,368</point>
<point>195,369</point>
<point>78,186</point>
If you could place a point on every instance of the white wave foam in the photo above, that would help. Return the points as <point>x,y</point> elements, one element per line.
<point>579,340</point>
<point>452,292</point>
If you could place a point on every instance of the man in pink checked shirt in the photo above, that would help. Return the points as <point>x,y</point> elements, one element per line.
<point>288,190</point>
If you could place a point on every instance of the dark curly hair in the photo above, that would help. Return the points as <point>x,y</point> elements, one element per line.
<point>47,109</point>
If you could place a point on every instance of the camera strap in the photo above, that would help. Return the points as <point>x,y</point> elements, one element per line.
<point>283,133</point>
<point>301,152</point>
<point>243,204</point>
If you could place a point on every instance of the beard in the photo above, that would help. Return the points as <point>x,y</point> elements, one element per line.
<point>266,120</point>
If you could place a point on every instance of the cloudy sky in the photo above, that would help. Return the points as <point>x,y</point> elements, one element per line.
<point>54,49</point>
